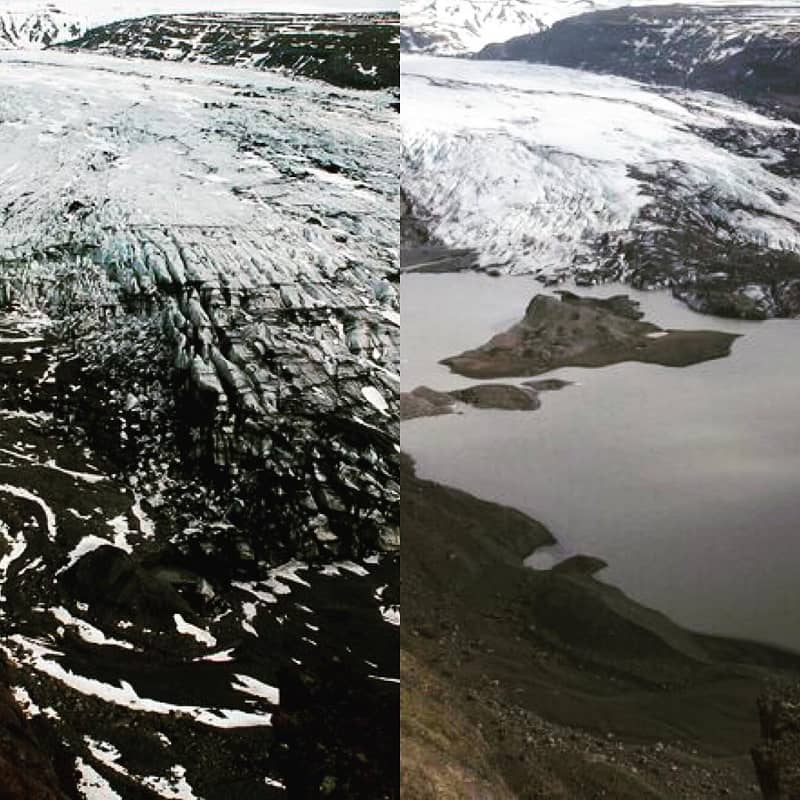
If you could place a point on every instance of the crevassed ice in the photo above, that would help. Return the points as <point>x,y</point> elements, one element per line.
<point>530,164</point>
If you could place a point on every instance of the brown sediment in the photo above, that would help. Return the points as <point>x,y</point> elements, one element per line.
<point>443,755</point>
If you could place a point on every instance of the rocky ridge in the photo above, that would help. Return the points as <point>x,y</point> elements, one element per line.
<point>448,27</point>
<point>355,50</point>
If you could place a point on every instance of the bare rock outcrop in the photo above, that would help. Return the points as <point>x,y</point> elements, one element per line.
<point>777,758</point>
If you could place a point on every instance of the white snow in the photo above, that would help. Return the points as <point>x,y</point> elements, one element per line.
<point>87,632</point>
<point>171,787</point>
<point>89,477</point>
<point>16,547</point>
<point>199,634</point>
<point>375,398</point>
<point>256,688</point>
<point>175,787</point>
<point>250,612</point>
<point>27,652</point>
<point>351,566</point>
<point>92,785</point>
<point>146,525</point>
<point>289,570</point>
<point>87,545</point>
<point>25,702</point>
<point>252,588</point>
<point>220,657</point>
<point>122,531</point>
<point>24,494</point>
<point>390,614</point>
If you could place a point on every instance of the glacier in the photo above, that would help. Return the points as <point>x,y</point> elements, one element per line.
<point>531,166</point>
<point>199,282</point>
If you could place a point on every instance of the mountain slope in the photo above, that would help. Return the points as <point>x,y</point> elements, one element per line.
<point>563,174</point>
<point>752,53</point>
<point>457,27</point>
<point>356,50</point>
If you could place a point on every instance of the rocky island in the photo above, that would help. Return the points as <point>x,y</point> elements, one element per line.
<point>425,402</point>
<point>585,332</point>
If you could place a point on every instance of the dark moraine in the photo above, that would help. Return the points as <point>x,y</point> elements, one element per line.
<point>230,668</point>
<point>577,690</point>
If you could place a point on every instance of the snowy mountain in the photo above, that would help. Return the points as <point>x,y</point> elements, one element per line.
<point>455,27</point>
<point>450,27</point>
<point>562,173</point>
<point>24,28</point>
<point>356,50</point>
<point>32,24</point>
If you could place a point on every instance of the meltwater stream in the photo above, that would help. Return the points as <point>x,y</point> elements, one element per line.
<point>685,480</point>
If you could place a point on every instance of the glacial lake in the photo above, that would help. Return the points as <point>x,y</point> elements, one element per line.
<point>685,480</point>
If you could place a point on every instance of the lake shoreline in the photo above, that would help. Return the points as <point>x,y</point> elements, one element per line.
<point>587,662</point>
<point>637,464</point>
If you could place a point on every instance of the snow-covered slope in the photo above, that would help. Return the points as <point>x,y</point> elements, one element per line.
<point>24,27</point>
<point>453,27</point>
<point>557,172</point>
<point>356,50</point>
<point>460,26</point>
